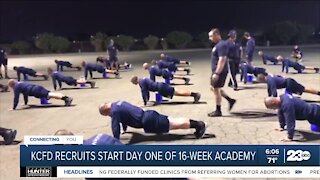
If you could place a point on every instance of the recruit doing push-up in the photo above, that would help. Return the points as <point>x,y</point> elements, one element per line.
<point>291,109</point>
<point>58,77</point>
<point>170,66</point>
<point>174,60</point>
<point>61,64</point>
<point>151,121</point>
<point>164,89</point>
<point>266,58</point>
<point>279,82</point>
<point>28,89</point>
<point>28,72</point>
<point>108,63</point>
<point>155,71</point>
<point>89,68</point>
<point>286,63</point>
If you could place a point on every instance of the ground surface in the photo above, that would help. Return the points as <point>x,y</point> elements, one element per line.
<point>248,123</point>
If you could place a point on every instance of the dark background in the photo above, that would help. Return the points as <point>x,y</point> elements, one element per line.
<point>21,20</point>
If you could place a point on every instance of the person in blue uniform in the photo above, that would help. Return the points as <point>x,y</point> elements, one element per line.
<point>275,82</point>
<point>108,64</point>
<point>60,64</point>
<point>286,63</point>
<point>112,53</point>
<point>57,78</point>
<point>8,135</point>
<point>164,89</point>
<point>246,68</point>
<point>90,67</point>
<point>4,88</point>
<point>219,70</point>
<point>4,63</point>
<point>174,60</point>
<point>297,54</point>
<point>37,91</point>
<point>250,48</point>
<point>149,120</point>
<point>291,109</point>
<point>234,56</point>
<point>170,66</point>
<point>266,58</point>
<point>155,71</point>
<point>28,72</point>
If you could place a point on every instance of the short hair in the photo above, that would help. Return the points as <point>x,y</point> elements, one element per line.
<point>246,34</point>
<point>215,31</point>
<point>63,132</point>
<point>134,79</point>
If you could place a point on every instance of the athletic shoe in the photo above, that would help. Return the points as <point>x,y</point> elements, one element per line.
<point>7,77</point>
<point>200,131</point>
<point>197,98</point>
<point>93,84</point>
<point>68,101</point>
<point>215,114</point>
<point>9,136</point>
<point>117,74</point>
<point>188,71</point>
<point>187,80</point>
<point>231,103</point>
<point>317,70</point>
<point>45,77</point>
<point>79,68</point>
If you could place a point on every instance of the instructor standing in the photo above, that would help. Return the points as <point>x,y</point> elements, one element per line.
<point>251,45</point>
<point>219,67</point>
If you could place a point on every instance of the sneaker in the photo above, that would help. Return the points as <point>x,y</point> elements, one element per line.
<point>197,98</point>
<point>189,63</point>
<point>215,114</point>
<point>317,70</point>
<point>231,103</point>
<point>200,131</point>
<point>187,80</point>
<point>79,68</point>
<point>7,77</point>
<point>188,71</point>
<point>9,136</point>
<point>117,74</point>
<point>68,101</point>
<point>93,84</point>
<point>45,77</point>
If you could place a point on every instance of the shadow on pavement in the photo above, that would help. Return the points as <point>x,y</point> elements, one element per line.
<point>32,106</point>
<point>181,102</point>
<point>306,136</point>
<point>182,84</point>
<point>138,138</point>
<point>253,114</point>
<point>13,143</point>
<point>76,88</point>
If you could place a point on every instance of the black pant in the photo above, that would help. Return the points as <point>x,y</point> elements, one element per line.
<point>234,69</point>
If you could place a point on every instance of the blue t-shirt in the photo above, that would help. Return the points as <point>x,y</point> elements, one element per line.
<point>274,83</point>
<point>251,44</point>
<point>112,50</point>
<point>2,54</point>
<point>126,114</point>
<point>219,50</point>
<point>292,109</point>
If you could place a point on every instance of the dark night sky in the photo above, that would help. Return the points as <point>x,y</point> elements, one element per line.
<point>20,20</point>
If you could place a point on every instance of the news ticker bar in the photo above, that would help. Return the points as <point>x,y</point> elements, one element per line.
<point>172,172</point>
<point>50,140</point>
<point>170,155</point>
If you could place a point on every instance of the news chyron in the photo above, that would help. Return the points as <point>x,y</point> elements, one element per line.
<point>47,157</point>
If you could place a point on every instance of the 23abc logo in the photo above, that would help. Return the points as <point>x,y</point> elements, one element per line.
<point>298,155</point>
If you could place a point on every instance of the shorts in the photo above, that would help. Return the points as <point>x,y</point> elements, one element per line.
<point>298,67</point>
<point>153,122</point>
<point>220,82</point>
<point>4,62</point>
<point>39,92</point>
<point>166,90</point>
<point>172,67</point>
<point>67,64</point>
<point>167,75</point>
<point>31,72</point>
<point>294,87</point>
<point>70,81</point>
